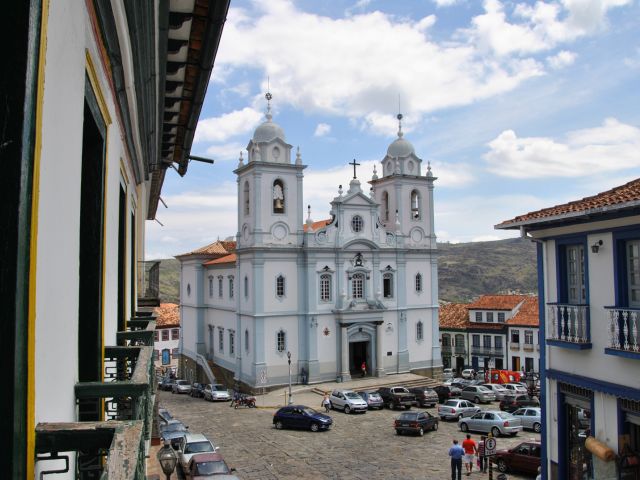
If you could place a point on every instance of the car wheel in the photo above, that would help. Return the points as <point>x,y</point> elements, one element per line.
<point>459,417</point>
<point>173,391</point>
<point>315,427</point>
<point>495,431</point>
<point>502,466</point>
<point>407,407</point>
<point>347,409</point>
<point>464,427</point>
<point>421,432</point>
<point>537,427</point>
<point>398,432</point>
<point>279,425</point>
<point>435,426</point>
<point>390,405</point>
<point>476,400</point>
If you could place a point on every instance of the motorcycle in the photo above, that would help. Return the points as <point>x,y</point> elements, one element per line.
<point>244,401</point>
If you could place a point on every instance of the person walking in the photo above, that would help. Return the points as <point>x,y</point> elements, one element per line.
<point>363,367</point>
<point>326,403</point>
<point>482,459</point>
<point>456,452</point>
<point>470,449</point>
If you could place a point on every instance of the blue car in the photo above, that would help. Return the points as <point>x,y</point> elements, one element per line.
<point>299,416</point>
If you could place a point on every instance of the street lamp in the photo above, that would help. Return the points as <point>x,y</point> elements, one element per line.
<point>289,358</point>
<point>168,459</point>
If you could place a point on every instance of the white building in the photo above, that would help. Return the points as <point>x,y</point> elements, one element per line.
<point>99,98</point>
<point>167,338</point>
<point>360,287</point>
<point>589,277</point>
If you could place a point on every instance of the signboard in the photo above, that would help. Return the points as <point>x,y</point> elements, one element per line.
<point>263,377</point>
<point>492,363</point>
<point>490,447</point>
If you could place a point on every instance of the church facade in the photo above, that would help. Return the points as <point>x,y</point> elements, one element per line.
<point>328,295</point>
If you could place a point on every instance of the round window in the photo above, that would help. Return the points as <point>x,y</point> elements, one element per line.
<point>357,223</point>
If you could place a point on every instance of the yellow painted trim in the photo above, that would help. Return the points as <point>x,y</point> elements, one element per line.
<point>95,84</point>
<point>127,279</point>
<point>33,248</point>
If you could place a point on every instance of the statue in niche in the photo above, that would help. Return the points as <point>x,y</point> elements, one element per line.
<point>358,260</point>
<point>278,197</point>
<point>256,154</point>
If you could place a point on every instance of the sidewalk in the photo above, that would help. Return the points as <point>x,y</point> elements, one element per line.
<point>154,471</point>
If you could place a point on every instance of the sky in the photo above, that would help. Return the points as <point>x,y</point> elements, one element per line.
<point>517,105</point>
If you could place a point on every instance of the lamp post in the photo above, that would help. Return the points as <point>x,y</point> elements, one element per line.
<point>168,459</point>
<point>289,359</point>
<point>531,379</point>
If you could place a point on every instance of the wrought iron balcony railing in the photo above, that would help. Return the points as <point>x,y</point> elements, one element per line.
<point>487,351</point>
<point>456,350</point>
<point>624,329</point>
<point>514,346</point>
<point>569,323</point>
<point>446,349</point>
<point>528,347</point>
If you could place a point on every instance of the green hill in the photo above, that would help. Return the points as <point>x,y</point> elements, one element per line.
<point>465,270</point>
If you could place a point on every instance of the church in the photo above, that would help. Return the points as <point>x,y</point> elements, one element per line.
<point>327,296</point>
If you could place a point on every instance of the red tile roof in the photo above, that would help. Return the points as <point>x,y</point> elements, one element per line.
<point>613,199</point>
<point>527,313</point>
<point>496,302</point>
<point>231,258</point>
<point>454,315</point>
<point>318,224</point>
<point>219,247</point>
<point>168,315</point>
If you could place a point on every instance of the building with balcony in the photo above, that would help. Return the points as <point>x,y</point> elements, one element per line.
<point>167,338</point>
<point>523,332</point>
<point>589,291</point>
<point>101,97</point>
<point>454,344</point>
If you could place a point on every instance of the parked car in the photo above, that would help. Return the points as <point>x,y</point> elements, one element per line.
<point>523,458</point>
<point>197,390</point>
<point>531,418</point>
<point>164,416</point>
<point>460,383</point>
<point>415,422</point>
<point>444,393</point>
<point>209,465</point>
<point>511,404</point>
<point>468,373</point>
<point>216,392</point>
<point>348,401</point>
<point>299,416</point>
<point>499,391</point>
<point>447,373</point>
<point>515,388</point>
<point>172,432</point>
<point>495,422</point>
<point>181,386</point>
<point>191,444</point>
<point>167,384</point>
<point>455,409</point>
<point>425,396</point>
<point>373,399</point>
<point>397,397</point>
<point>478,394</point>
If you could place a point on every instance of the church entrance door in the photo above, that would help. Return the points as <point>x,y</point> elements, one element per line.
<point>359,352</point>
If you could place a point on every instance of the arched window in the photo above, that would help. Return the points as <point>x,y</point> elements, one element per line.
<point>325,287</point>
<point>281,341</point>
<point>246,340</point>
<point>280,286</point>
<point>278,196</point>
<point>220,286</point>
<point>385,206</point>
<point>230,286</point>
<point>247,198</point>
<point>357,285</point>
<point>387,285</point>
<point>446,340</point>
<point>415,205</point>
<point>246,287</point>
<point>210,285</point>
<point>419,331</point>
<point>418,282</point>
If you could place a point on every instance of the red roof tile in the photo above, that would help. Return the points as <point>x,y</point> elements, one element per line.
<point>219,247</point>
<point>317,225</point>
<point>231,258</point>
<point>168,315</point>
<point>454,315</point>
<point>527,313</point>
<point>618,196</point>
<point>496,302</point>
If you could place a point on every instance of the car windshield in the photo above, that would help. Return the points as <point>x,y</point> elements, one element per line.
<point>218,388</point>
<point>484,389</point>
<point>173,427</point>
<point>182,382</point>
<point>408,416</point>
<point>504,415</point>
<point>309,411</point>
<point>352,395</point>
<point>198,447</point>
<point>210,468</point>
<point>451,403</point>
<point>374,396</point>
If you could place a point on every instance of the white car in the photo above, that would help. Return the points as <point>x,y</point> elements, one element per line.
<point>191,444</point>
<point>515,389</point>
<point>499,391</point>
<point>348,400</point>
<point>531,417</point>
<point>216,392</point>
<point>447,373</point>
<point>468,373</point>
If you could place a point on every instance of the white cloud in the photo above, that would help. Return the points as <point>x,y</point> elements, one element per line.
<point>322,129</point>
<point>227,151</point>
<point>360,5</point>
<point>445,3</point>
<point>562,59</point>
<point>611,147</point>
<point>633,62</point>
<point>220,129</point>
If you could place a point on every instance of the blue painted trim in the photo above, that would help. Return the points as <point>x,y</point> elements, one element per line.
<point>561,434</point>
<point>542,358</point>
<point>619,238</point>
<point>597,385</point>
<point>569,345</point>
<point>622,353</point>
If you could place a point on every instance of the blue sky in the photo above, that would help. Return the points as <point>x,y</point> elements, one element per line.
<point>517,105</point>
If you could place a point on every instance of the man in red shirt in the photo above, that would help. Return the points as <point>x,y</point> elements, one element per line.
<point>470,449</point>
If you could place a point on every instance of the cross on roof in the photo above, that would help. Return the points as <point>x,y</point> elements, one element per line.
<point>354,167</point>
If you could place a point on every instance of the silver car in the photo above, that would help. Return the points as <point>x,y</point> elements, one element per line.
<point>181,386</point>
<point>216,392</point>
<point>190,444</point>
<point>478,394</point>
<point>515,389</point>
<point>454,409</point>
<point>530,418</point>
<point>373,399</point>
<point>495,422</point>
<point>347,400</point>
<point>498,390</point>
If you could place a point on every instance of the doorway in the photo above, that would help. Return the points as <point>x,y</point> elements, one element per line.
<point>359,352</point>
<point>460,364</point>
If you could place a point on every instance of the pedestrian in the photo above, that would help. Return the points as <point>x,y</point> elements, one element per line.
<point>470,448</point>
<point>456,452</point>
<point>326,403</point>
<point>482,459</point>
<point>363,367</point>
<point>539,477</point>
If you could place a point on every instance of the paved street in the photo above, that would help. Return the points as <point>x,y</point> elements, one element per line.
<point>360,446</point>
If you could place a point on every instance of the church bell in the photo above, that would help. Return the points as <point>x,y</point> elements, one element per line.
<point>279,204</point>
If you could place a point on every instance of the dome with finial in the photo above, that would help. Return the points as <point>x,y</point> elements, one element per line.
<point>268,130</point>
<point>400,147</point>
